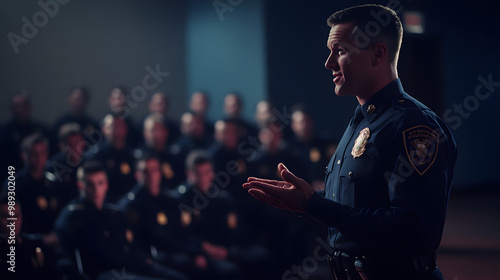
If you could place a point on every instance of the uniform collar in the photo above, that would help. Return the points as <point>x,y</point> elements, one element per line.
<point>381,99</point>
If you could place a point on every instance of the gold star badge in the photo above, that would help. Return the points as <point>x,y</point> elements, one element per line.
<point>129,235</point>
<point>161,218</point>
<point>125,168</point>
<point>185,218</point>
<point>232,220</point>
<point>314,155</point>
<point>167,170</point>
<point>371,109</point>
<point>42,202</point>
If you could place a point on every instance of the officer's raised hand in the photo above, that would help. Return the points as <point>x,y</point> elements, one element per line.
<point>290,194</point>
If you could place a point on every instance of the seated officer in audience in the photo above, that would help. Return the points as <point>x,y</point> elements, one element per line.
<point>156,221</point>
<point>198,105</point>
<point>36,190</point>
<point>194,136</point>
<point>14,131</point>
<point>305,146</point>
<point>119,107</point>
<point>33,259</point>
<point>101,234</point>
<point>233,108</point>
<point>78,100</point>
<point>159,104</point>
<point>271,151</point>
<point>116,156</point>
<point>156,139</point>
<point>263,113</point>
<point>226,158</point>
<point>64,164</point>
<point>214,217</point>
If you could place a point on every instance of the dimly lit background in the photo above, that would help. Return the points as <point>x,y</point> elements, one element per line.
<point>259,49</point>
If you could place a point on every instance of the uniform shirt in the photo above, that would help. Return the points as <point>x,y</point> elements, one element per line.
<point>157,221</point>
<point>231,165</point>
<point>172,166</point>
<point>64,168</point>
<point>103,237</point>
<point>391,197</point>
<point>119,166</point>
<point>312,154</point>
<point>33,259</point>
<point>39,199</point>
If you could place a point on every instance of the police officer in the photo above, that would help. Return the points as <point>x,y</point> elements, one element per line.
<point>307,147</point>
<point>119,107</point>
<point>194,135</point>
<point>226,158</point>
<point>22,256</point>
<point>63,165</point>
<point>199,104</point>
<point>159,104</point>
<point>116,156</point>
<point>156,220</point>
<point>233,107</point>
<point>37,190</point>
<point>387,184</point>
<point>15,130</point>
<point>78,100</point>
<point>213,216</point>
<point>156,140</point>
<point>100,234</point>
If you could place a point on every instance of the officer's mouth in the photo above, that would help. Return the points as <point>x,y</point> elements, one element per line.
<point>336,77</point>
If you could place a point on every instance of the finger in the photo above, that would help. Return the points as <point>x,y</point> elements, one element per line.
<point>267,181</point>
<point>247,186</point>
<point>290,177</point>
<point>281,167</point>
<point>262,196</point>
<point>269,188</point>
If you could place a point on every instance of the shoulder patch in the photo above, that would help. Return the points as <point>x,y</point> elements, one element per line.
<point>421,145</point>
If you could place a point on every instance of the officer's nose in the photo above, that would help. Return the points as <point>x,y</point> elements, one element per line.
<point>330,62</point>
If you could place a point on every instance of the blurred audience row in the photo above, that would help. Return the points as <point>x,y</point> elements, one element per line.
<point>155,198</point>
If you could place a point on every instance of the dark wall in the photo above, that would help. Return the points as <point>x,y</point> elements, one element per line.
<point>226,52</point>
<point>95,43</point>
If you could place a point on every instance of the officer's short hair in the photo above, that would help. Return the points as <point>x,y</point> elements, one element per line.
<point>87,168</point>
<point>369,17</point>
<point>31,140</point>
<point>68,130</point>
<point>195,158</point>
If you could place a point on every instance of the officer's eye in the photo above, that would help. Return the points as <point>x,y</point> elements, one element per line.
<point>340,52</point>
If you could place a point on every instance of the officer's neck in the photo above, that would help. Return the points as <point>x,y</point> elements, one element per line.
<point>376,84</point>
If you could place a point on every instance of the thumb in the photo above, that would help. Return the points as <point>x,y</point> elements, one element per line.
<point>289,176</point>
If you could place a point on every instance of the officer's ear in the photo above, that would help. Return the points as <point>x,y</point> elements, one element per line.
<point>379,53</point>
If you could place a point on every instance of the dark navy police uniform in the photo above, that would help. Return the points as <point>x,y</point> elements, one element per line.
<point>387,188</point>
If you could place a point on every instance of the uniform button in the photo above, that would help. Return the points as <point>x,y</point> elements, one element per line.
<point>333,195</point>
<point>350,173</point>
<point>338,161</point>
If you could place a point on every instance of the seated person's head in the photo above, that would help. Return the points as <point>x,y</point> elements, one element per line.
<point>199,170</point>
<point>93,183</point>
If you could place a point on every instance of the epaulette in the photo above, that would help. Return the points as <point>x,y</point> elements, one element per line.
<point>414,111</point>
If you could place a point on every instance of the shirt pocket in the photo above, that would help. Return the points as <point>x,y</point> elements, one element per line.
<point>355,180</point>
